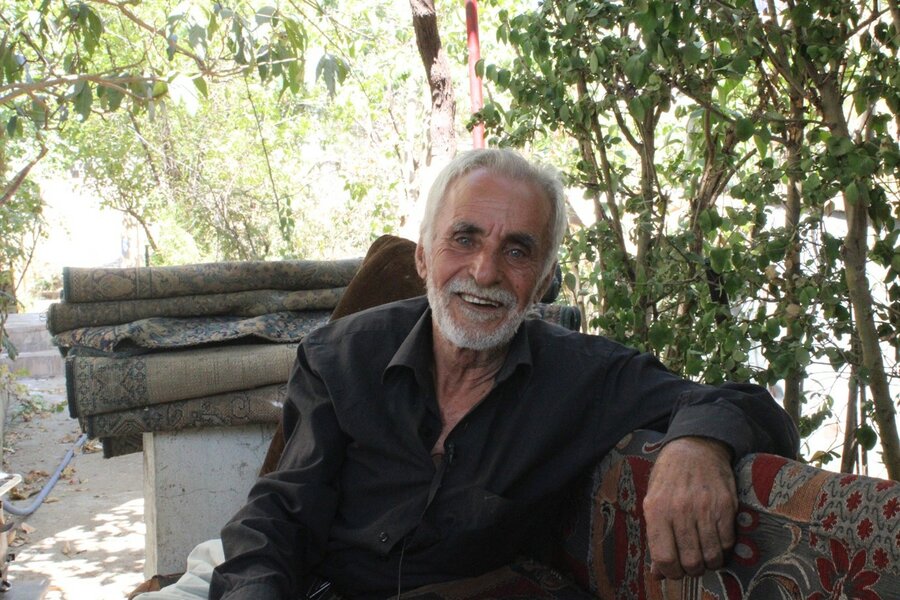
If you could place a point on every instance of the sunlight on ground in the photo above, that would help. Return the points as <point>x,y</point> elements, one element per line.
<point>74,559</point>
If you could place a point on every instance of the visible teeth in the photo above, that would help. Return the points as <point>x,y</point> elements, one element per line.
<point>477,300</point>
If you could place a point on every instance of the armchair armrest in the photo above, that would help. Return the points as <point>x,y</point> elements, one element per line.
<point>802,532</point>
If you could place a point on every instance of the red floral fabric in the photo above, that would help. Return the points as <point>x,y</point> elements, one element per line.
<point>802,533</point>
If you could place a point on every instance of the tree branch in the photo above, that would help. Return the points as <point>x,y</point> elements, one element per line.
<point>19,179</point>
<point>14,90</point>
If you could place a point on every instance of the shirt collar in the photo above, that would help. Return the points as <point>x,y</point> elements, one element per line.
<point>416,352</point>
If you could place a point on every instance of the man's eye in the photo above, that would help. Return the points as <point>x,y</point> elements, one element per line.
<point>517,253</point>
<point>463,240</point>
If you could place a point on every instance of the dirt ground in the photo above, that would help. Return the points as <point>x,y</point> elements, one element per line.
<point>86,541</point>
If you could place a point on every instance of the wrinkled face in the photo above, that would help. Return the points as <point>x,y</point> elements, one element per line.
<point>484,264</point>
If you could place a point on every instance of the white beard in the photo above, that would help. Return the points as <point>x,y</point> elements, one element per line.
<point>466,335</point>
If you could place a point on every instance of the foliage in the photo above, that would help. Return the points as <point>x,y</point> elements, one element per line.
<point>21,227</point>
<point>61,62</point>
<point>310,160</point>
<point>708,140</point>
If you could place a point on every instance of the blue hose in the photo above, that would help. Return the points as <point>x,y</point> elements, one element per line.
<point>48,487</point>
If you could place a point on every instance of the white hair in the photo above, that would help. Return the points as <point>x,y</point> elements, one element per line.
<point>508,163</point>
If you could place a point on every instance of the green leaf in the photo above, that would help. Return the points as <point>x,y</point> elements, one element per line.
<point>775,249</point>
<point>94,31</point>
<point>172,46</point>
<point>160,89</point>
<point>808,294</point>
<point>719,259</point>
<point>265,15</point>
<point>11,126</point>
<point>709,220</point>
<point>83,101</point>
<point>839,145</point>
<point>740,64</point>
<point>479,68</point>
<point>690,54</point>
<point>332,70</point>
<point>813,182</point>
<point>860,102</point>
<point>802,15</point>
<point>744,128</point>
<point>660,335</point>
<point>183,90</point>
<point>773,328</point>
<point>114,97</point>
<point>38,114</point>
<point>636,69</point>
<point>636,108</point>
<point>296,34</point>
<point>200,84</point>
<point>851,193</point>
<point>762,144</point>
<point>570,281</point>
<point>801,356</point>
<point>866,437</point>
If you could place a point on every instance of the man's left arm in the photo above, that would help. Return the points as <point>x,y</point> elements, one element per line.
<point>691,499</point>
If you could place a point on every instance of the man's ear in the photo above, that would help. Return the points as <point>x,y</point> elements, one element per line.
<point>420,260</point>
<point>545,284</point>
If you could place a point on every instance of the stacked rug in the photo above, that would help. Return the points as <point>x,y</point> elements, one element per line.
<point>166,348</point>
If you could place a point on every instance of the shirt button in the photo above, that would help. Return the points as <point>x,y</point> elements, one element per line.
<point>383,537</point>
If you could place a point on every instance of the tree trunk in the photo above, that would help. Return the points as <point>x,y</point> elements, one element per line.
<point>793,388</point>
<point>440,145</point>
<point>855,250</point>
<point>849,457</point>
<point>441,129</point>
<point>643,269</point>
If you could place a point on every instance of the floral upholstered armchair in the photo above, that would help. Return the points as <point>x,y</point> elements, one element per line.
<point>802,532</point>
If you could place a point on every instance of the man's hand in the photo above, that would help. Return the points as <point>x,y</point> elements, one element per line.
<point>690,508</point>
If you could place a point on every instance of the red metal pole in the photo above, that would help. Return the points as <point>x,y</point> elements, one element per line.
<point>474,80</point>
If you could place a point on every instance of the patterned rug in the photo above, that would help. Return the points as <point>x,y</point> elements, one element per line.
<point>107,284</point>
<point>171,333</point>
<point>244,407</point>
<point>100,384</point>
<point>64,316</point>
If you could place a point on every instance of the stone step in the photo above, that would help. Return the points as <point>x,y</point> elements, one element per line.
<point>28,332</point>
<point>41,363</point>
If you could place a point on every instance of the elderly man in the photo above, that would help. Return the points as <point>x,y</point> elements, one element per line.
<point>432,440</point>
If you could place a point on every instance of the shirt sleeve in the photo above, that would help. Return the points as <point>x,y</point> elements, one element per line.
<point>742,416</point>
<point>280,534</point>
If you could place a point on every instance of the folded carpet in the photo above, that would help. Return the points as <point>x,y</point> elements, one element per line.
<point>101,384</point>
<point>65,316</point>
<point>173,333</point>
<point>244,407</point>
<point>137,283</point>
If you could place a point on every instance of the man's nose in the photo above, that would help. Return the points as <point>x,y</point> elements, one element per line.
<point>486,268</point>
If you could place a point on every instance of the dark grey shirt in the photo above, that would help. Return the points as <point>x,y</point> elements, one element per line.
<point>358,499</point>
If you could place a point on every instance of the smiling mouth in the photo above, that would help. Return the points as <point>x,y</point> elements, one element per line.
<point>478,301</point>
